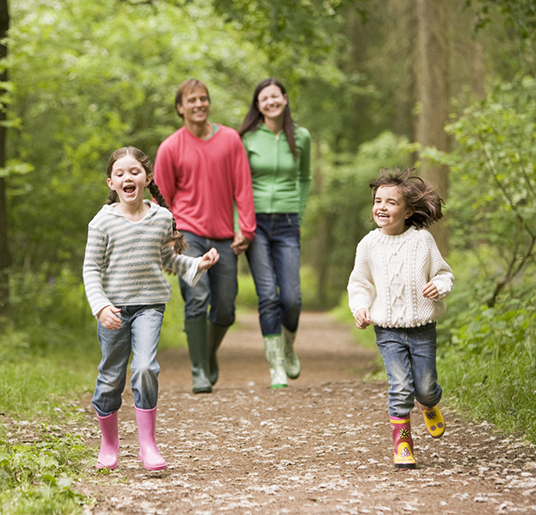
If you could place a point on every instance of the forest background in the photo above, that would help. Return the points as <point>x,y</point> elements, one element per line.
<point>448,87</point>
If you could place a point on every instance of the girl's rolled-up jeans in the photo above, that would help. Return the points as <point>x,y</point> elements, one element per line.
<point>409,357</point>
<point>139,334</point>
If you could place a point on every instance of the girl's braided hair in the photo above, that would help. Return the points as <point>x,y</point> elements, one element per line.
<point>421,196</point>
<point>176,241</point>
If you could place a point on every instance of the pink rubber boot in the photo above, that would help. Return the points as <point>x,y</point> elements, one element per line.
<point>109,448</point>
<point>149,455</point>
<point>403,457</point>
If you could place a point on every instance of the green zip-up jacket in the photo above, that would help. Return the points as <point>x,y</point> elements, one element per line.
<point>281,183</point>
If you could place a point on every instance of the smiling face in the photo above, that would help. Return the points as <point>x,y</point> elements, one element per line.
<point>194,106</point>
<point>271,102</point>
<point>390,210</point>
<point>128,178</point>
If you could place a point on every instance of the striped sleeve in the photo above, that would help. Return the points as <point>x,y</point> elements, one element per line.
<point>92,270</point>
<point>184,266</point>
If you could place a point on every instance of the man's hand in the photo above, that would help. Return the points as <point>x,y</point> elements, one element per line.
<point>109,318</point>
<point>240,243</point>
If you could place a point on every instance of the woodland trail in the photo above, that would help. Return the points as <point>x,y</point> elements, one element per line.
<point>321,446</point>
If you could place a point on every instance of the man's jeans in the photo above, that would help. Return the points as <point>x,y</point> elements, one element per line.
<point>409,356</point>
<point>217,288</point>
<point>139,333</point>
<point>274,261</point>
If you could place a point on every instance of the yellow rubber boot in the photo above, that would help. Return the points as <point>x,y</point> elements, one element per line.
<point>403,455</point>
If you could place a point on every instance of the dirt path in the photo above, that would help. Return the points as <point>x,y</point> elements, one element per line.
<point>321,446</point>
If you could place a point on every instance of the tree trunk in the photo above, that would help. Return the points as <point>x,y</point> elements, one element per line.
<point>433,95</point>
<point>5,259</point>
<point>322,241</point>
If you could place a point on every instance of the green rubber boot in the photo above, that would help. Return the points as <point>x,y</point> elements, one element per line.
<point>196,333</point>
<point>275,354</point>
<point>292,363</point>
<point>215,337</point>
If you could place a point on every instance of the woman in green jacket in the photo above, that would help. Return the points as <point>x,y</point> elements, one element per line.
<point>279,153</point>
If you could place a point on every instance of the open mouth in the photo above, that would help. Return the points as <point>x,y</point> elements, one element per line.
<point>129,189</point>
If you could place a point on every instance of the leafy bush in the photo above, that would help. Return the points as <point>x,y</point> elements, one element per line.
<point>487,347</point>
<point>36,478</point>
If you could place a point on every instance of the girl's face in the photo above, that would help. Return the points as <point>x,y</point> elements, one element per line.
<point>129,179</point>
<point>271,102</point>
<point>390,210</point>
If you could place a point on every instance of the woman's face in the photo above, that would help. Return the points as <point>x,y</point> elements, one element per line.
<point>271,102</point>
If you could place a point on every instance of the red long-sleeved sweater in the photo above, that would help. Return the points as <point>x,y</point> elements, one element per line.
<point>200,179</point>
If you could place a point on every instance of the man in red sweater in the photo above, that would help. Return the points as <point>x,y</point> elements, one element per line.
<point>202,171</point>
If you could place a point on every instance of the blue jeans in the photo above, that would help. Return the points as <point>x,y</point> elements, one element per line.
<point>409,356</point>
<point>139,333</point>
<point>217,288</point>
<point>274,261</point>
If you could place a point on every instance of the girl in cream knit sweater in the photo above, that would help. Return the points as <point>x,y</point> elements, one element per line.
<point>398,284</point>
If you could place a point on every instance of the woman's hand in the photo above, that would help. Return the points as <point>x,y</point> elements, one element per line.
<point>109,317</point>
<point>362,318</point>
<point>209,259</point>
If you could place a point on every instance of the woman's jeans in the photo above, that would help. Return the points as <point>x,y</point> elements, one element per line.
<point>274,260</point>
<point>139,333</point>
<point>217,288</point>
<point>409,356</point>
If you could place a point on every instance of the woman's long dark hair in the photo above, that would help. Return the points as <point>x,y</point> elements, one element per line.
<point>254,118</point>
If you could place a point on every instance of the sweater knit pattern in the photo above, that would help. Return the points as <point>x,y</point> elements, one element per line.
<point>124,260</point>
<point>389,274</point>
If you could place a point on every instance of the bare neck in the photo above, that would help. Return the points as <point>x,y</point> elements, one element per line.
<point>274,124</point>
<point>200,130</point>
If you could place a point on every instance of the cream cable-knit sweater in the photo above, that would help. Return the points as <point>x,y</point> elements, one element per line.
<point>389,274</point>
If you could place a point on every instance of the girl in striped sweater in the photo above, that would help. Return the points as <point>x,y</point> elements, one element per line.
<point>129,242</point>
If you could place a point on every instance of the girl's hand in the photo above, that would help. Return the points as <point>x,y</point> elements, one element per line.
<point>362,318</point>
<point>430,291</point>
<point>109,318</point>
<point>209,259</point>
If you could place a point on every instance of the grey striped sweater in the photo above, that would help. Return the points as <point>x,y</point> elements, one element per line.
<point>124,259</point>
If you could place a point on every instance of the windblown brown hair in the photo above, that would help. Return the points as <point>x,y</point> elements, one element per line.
<point>419,195</point>
<point>176,241</point>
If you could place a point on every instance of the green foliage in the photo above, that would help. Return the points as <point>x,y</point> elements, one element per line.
<point>36,478</point>
<point>490,367</point>
<point>293,33</point>
<point>520,15</point>
<point>339,210</point>
<point>487,347</point>
<point>493,185</point>
<point>91,78</point>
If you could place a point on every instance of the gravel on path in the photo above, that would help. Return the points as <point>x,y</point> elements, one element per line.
<point>321,446</point>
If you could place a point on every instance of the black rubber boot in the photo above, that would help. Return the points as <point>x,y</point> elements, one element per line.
<point>215,337</point>
<point>196,333</point>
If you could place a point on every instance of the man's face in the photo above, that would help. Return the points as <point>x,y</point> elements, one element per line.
<point>195,106</point>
